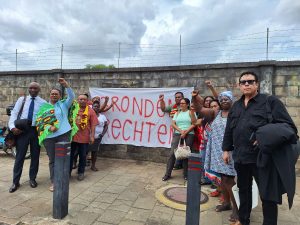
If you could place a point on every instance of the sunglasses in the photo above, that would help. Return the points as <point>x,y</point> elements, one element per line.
<point>250,82</point>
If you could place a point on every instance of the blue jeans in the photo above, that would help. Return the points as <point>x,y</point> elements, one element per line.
<point>82,150</point>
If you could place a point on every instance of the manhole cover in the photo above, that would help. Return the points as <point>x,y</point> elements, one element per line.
<point>178,195</point>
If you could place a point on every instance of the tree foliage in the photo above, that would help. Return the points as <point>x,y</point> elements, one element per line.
<point>99,66</point>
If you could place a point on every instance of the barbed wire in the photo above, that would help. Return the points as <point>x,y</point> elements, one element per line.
<point>271,45</point>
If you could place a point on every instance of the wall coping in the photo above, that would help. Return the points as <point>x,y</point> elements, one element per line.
<point>156,69</point>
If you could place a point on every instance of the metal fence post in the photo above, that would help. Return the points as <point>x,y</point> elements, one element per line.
<point>61,179</point>
<point>193,190</point>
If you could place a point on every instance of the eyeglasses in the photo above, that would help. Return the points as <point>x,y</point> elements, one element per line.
<point>250,82</point>
<point>182,103</point>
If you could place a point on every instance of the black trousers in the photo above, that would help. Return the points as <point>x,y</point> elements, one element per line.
<point>82,149</point>
<point>245,172</point>
<point>171,161</point>
<point>23,140</point>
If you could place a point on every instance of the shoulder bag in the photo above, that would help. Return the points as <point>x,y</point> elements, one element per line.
<point>10,138</point>
<point>182,151</point>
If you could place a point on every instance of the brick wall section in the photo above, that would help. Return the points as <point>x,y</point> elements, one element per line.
<point>279,78</point>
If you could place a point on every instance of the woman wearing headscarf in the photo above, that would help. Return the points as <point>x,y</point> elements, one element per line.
<point>214,163</point>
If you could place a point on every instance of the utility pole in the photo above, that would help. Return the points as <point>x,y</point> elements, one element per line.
<point>119,55</point>
<point>16,59</point>
<point>180,50</point>
<point>267,50</point>
<point>61,55</point>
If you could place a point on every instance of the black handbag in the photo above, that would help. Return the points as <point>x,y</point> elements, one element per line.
<point>23,124</point>
<point>10,138</point>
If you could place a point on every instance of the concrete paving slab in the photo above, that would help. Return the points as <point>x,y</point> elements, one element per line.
<point>121,205</point>
<point>145,203</point>
<point>16,212</point>
<point>141,215</point>
<point>112,216</point>
<point>84,218</point>
<point>130,222</point>
<point>106,197</point>
<point>122,193</point>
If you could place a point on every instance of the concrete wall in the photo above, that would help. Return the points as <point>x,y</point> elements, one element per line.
<point>279,78</point>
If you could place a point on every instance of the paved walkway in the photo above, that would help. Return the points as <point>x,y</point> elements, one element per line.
<point>122,192</point>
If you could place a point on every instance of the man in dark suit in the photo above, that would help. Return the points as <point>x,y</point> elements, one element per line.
<point>26,109</point>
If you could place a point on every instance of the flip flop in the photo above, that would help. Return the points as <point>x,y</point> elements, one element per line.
<point>233,218</point>
<point>94,169</point>
<point>223,207</point>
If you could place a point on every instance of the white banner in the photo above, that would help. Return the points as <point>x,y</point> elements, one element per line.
<point>136,117</point>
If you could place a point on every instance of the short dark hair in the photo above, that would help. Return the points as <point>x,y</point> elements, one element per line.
<point>86,94</point>
<point>215,100</point>
<point>209,96</point>
<point>187,101</point>
<point>179,92</point>
<point>249,73</point>
<point>56,89</point>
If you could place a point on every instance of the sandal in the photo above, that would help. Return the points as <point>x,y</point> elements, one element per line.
<point>233,218</point>
<point>223,207</point>
<point>51,188</point>
<point>94,168</point>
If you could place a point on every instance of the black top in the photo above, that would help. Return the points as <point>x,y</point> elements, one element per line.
<point>242,123</point>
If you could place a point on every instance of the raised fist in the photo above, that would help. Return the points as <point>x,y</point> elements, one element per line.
<point>208,83</point>
<point>195,93</point>
<point>63,82</point>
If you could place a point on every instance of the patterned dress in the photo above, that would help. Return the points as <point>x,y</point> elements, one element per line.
<point>214,164</point>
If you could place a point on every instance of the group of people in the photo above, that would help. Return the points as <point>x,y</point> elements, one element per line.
<point>36,122</point>
<point>237,142</point>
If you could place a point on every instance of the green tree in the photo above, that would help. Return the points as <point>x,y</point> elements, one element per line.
<point>99,66</point>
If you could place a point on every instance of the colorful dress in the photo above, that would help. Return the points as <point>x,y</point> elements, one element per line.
<point>214,163</point>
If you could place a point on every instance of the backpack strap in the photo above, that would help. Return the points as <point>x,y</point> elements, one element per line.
<point>21,109</point>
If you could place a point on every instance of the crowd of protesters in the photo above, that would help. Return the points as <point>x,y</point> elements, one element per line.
<point>236,140</point>
<point>229,135</point>
<point>36,122</point>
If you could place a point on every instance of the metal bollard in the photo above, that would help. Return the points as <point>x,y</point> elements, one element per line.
<point>61,179</point>
<point>193,190</point>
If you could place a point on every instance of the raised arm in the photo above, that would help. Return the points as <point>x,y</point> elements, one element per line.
<point>162,103</point>
<point>212,89</point>
<point>69,91</point>
<point>198,105</point>
<point>103,106</point>
<point>193,117</point>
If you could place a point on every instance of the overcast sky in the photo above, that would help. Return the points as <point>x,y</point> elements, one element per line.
<point>147,31</point>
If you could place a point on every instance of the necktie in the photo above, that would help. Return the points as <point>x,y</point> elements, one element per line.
<point>30,110</point>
